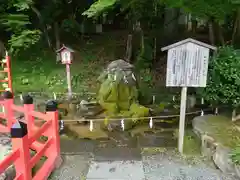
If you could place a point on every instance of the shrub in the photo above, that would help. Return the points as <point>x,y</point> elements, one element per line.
<point>223,85</point>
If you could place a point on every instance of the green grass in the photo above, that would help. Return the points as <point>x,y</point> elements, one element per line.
<point>223,131</point>
<point>43,74</point>
<point>35,69</point>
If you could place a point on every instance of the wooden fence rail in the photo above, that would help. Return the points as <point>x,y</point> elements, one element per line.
<point>25,136</point>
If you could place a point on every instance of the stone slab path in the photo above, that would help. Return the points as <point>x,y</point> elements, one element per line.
<point>158,166</point>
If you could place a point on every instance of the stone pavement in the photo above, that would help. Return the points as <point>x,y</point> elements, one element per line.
<point>151,166</point>
<point>5,145</point>
<point>92,161</point>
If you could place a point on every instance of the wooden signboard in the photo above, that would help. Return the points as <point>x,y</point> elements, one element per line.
<point>187,66</point>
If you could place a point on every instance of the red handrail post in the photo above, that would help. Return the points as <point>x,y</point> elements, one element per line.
<point>19,134</point>
<point>9,72</point>
<point>8,102</point>
<point>28,107</point>
<point>52,111</point>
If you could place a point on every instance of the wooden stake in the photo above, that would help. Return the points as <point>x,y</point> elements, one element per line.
<point>202,102</point>
<point>69,81</point>
<point>182,119</point>
<point>173,98</point>
<point>54,96</point>
<point>151,123</point>
<point>153,99</point>
<point>91,125</point>
<point>122,124</point>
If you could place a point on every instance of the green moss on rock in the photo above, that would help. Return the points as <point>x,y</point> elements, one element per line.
<point>118,94</point>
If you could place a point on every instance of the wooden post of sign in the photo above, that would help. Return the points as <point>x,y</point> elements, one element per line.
<point>69,81</point>
<point>182,119</point>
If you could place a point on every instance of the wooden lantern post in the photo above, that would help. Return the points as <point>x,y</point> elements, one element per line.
<point>66,58</point>
<point>187,66</point>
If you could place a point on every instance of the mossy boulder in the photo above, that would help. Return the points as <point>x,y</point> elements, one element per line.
<point>118,94</point>
<point>138,111</point>
<point>114,97</point>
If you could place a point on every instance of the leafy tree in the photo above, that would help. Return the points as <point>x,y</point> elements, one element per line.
<point>15,20</point>
<point>99,7</point>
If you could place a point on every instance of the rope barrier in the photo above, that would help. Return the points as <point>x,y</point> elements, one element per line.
<point>131,118</point>
<point>122,118</point>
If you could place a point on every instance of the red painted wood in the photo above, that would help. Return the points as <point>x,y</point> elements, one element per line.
<point>20,156</point>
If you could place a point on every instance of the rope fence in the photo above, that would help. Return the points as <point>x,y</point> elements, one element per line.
<point>121,119</point>
<point>125,118</point>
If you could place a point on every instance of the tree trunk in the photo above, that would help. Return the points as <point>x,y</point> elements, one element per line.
<point>211,32</point>
<point>35,10</point>
<point>220,33</point>
<point>129,48</point>
<point>155,50</point>
<point>57,39</point>
<point>142,41</point>
<point>236,27</point>
<point>2,50</point>
<point>189,23</point>
<point>221,36</point>
<point>82,29</point>
<point>194,26</point>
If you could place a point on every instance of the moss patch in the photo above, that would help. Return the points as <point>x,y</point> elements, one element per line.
<point>192,144</point>
<point>222,130</point>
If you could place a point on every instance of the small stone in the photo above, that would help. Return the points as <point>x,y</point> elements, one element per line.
<point>112,170</point>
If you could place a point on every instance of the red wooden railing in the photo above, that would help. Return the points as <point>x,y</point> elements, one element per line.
<point>7,69</point>
<point>25,135</point>
<point>7,79</point>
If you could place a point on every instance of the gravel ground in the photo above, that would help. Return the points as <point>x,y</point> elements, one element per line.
<point>171,167</point>
<point>158,166</point>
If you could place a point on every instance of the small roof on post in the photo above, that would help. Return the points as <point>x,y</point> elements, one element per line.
<point>63,48</point>
<point>188,40</point>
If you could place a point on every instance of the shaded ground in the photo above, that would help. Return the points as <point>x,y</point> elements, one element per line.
<point>160,138</point>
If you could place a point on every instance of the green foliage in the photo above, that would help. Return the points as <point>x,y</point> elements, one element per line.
<point>14,22</point>
<point>146,76</point>
<point>142,10</point>
<point>71,26</point>
<point>22,5</point>
<point>99,7</point>
<point>223,84</point>
<point>145,56</point>
<point>137,10</point>
<point>24,40</point>
<point>217,9</point>
<point>235,155</point>
<point>17,23</point>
